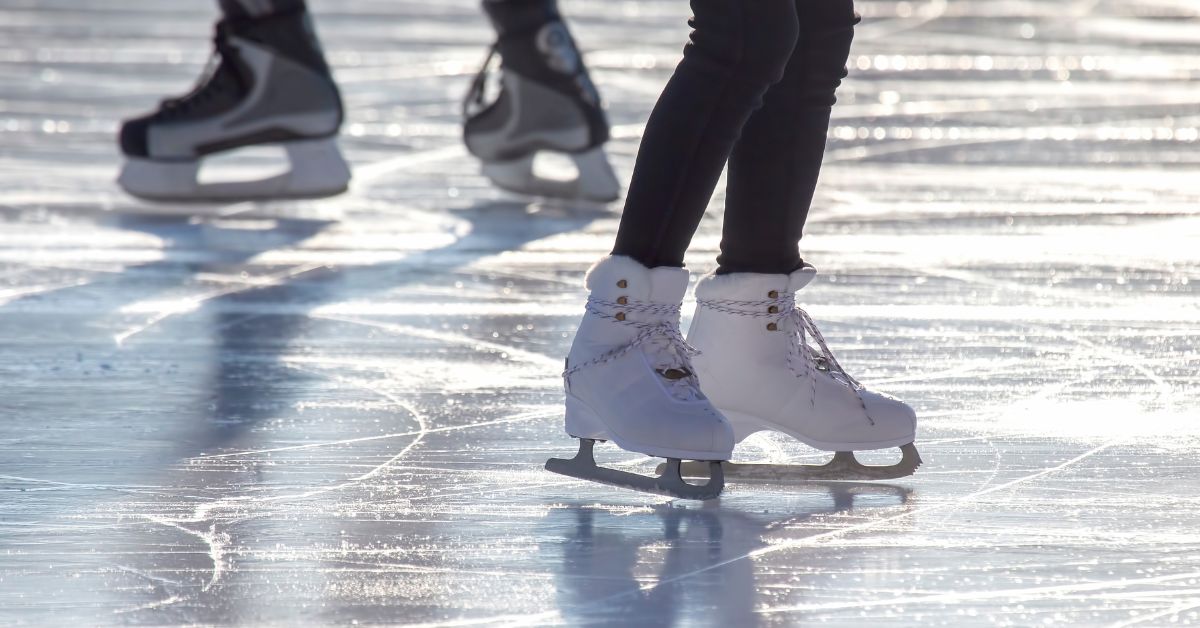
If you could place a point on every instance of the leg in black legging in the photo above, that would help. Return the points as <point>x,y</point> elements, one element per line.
<point>520,16</point>
<point>283,25</point>
<point>738,49</point>
<point>259,8</point>
<point>774,166</point>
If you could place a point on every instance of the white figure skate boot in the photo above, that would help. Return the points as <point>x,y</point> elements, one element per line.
<point>268,85</point>
<point>546,103</point>
<point>629,380</point>
<point>758,368</point>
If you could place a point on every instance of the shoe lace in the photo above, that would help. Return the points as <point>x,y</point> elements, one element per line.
<point>821,356</point>
<point>804,359</point>
<point>477,93</point>
<point>660,336</point>
<point>208,85</point>
<point>784,312</point>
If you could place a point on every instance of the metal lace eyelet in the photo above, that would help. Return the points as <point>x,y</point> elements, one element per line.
<point>622,300</point>
<point>620,316</point>
<point>774,294</point>
<point>674,374</point>
<point>772,327</point>
<point>622,284</point>
<point>774,309</point>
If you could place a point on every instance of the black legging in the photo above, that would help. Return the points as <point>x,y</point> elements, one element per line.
<point>754,89</point>
<point>514,14</point>
<point>259,8</point>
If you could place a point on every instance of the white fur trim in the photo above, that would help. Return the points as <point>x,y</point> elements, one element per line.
<point>663,284</point>
<point>752,286</point>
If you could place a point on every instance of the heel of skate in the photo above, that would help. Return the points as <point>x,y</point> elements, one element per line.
<point>582,422</point>
<point>843,467</point>
<point>316,169</point>
<point>669,482</point>
<point>594,178</point>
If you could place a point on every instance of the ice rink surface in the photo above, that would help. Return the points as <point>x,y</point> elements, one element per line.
<point>336,411</point>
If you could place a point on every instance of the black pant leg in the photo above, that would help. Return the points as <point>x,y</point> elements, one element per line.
<point>520,16</point>
<point>236,9</point>
<point>738,48</point>
<point>774,166</point>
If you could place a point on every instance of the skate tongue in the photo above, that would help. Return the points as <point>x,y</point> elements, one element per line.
<point>219,76</point>
<point>799,279</point>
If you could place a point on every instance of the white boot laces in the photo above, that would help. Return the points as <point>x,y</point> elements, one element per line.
<point>812,360</point>
<point>660,336</point>
<point>820,357</point>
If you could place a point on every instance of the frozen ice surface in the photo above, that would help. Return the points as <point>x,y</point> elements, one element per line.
<point>337,411</point>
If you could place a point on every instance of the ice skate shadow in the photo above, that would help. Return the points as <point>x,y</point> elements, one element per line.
<point>242,377</point>
<point>250,327</point>
<point>254,376</point>
<point>253,329</point>
<point>676,565</point>
<point>235,346</point>
<point>202,256</point>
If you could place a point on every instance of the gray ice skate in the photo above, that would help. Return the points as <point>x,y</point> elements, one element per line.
<point>268,85</point>
<point>546,104</point>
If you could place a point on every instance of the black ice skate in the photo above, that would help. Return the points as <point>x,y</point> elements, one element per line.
<point>267,84</point>
<point>546,103</point>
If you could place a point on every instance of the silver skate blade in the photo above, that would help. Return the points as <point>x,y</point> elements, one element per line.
<point>844,467</point>
<point>670,481</point>
<point>595,180</point>
<point>316,170</point>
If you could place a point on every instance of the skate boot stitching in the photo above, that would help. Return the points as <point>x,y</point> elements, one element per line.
<point>677,375</point>
<point>783,309</point>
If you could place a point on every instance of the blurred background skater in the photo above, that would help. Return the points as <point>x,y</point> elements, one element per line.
<point>754,90</point>
<point>546,103</point>
<point>268,84</point>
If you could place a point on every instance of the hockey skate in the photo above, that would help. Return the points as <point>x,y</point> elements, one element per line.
<point>546,104</point>
<point>629,380</point>
<point>758,367</point>
<point>266,85</point>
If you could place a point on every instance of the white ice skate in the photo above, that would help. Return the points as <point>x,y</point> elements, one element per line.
<point>758,368</point>
<point>546,104</point>
<point>268,85</point>
<point>629,380</point>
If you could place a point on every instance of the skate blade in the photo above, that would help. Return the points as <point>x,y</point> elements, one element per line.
<point>594,182</point>
<point>669,482</point>
<point>317,170</point>
<point>843,467</point>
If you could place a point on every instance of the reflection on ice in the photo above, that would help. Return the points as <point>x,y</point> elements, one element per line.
<point>671,565</point>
